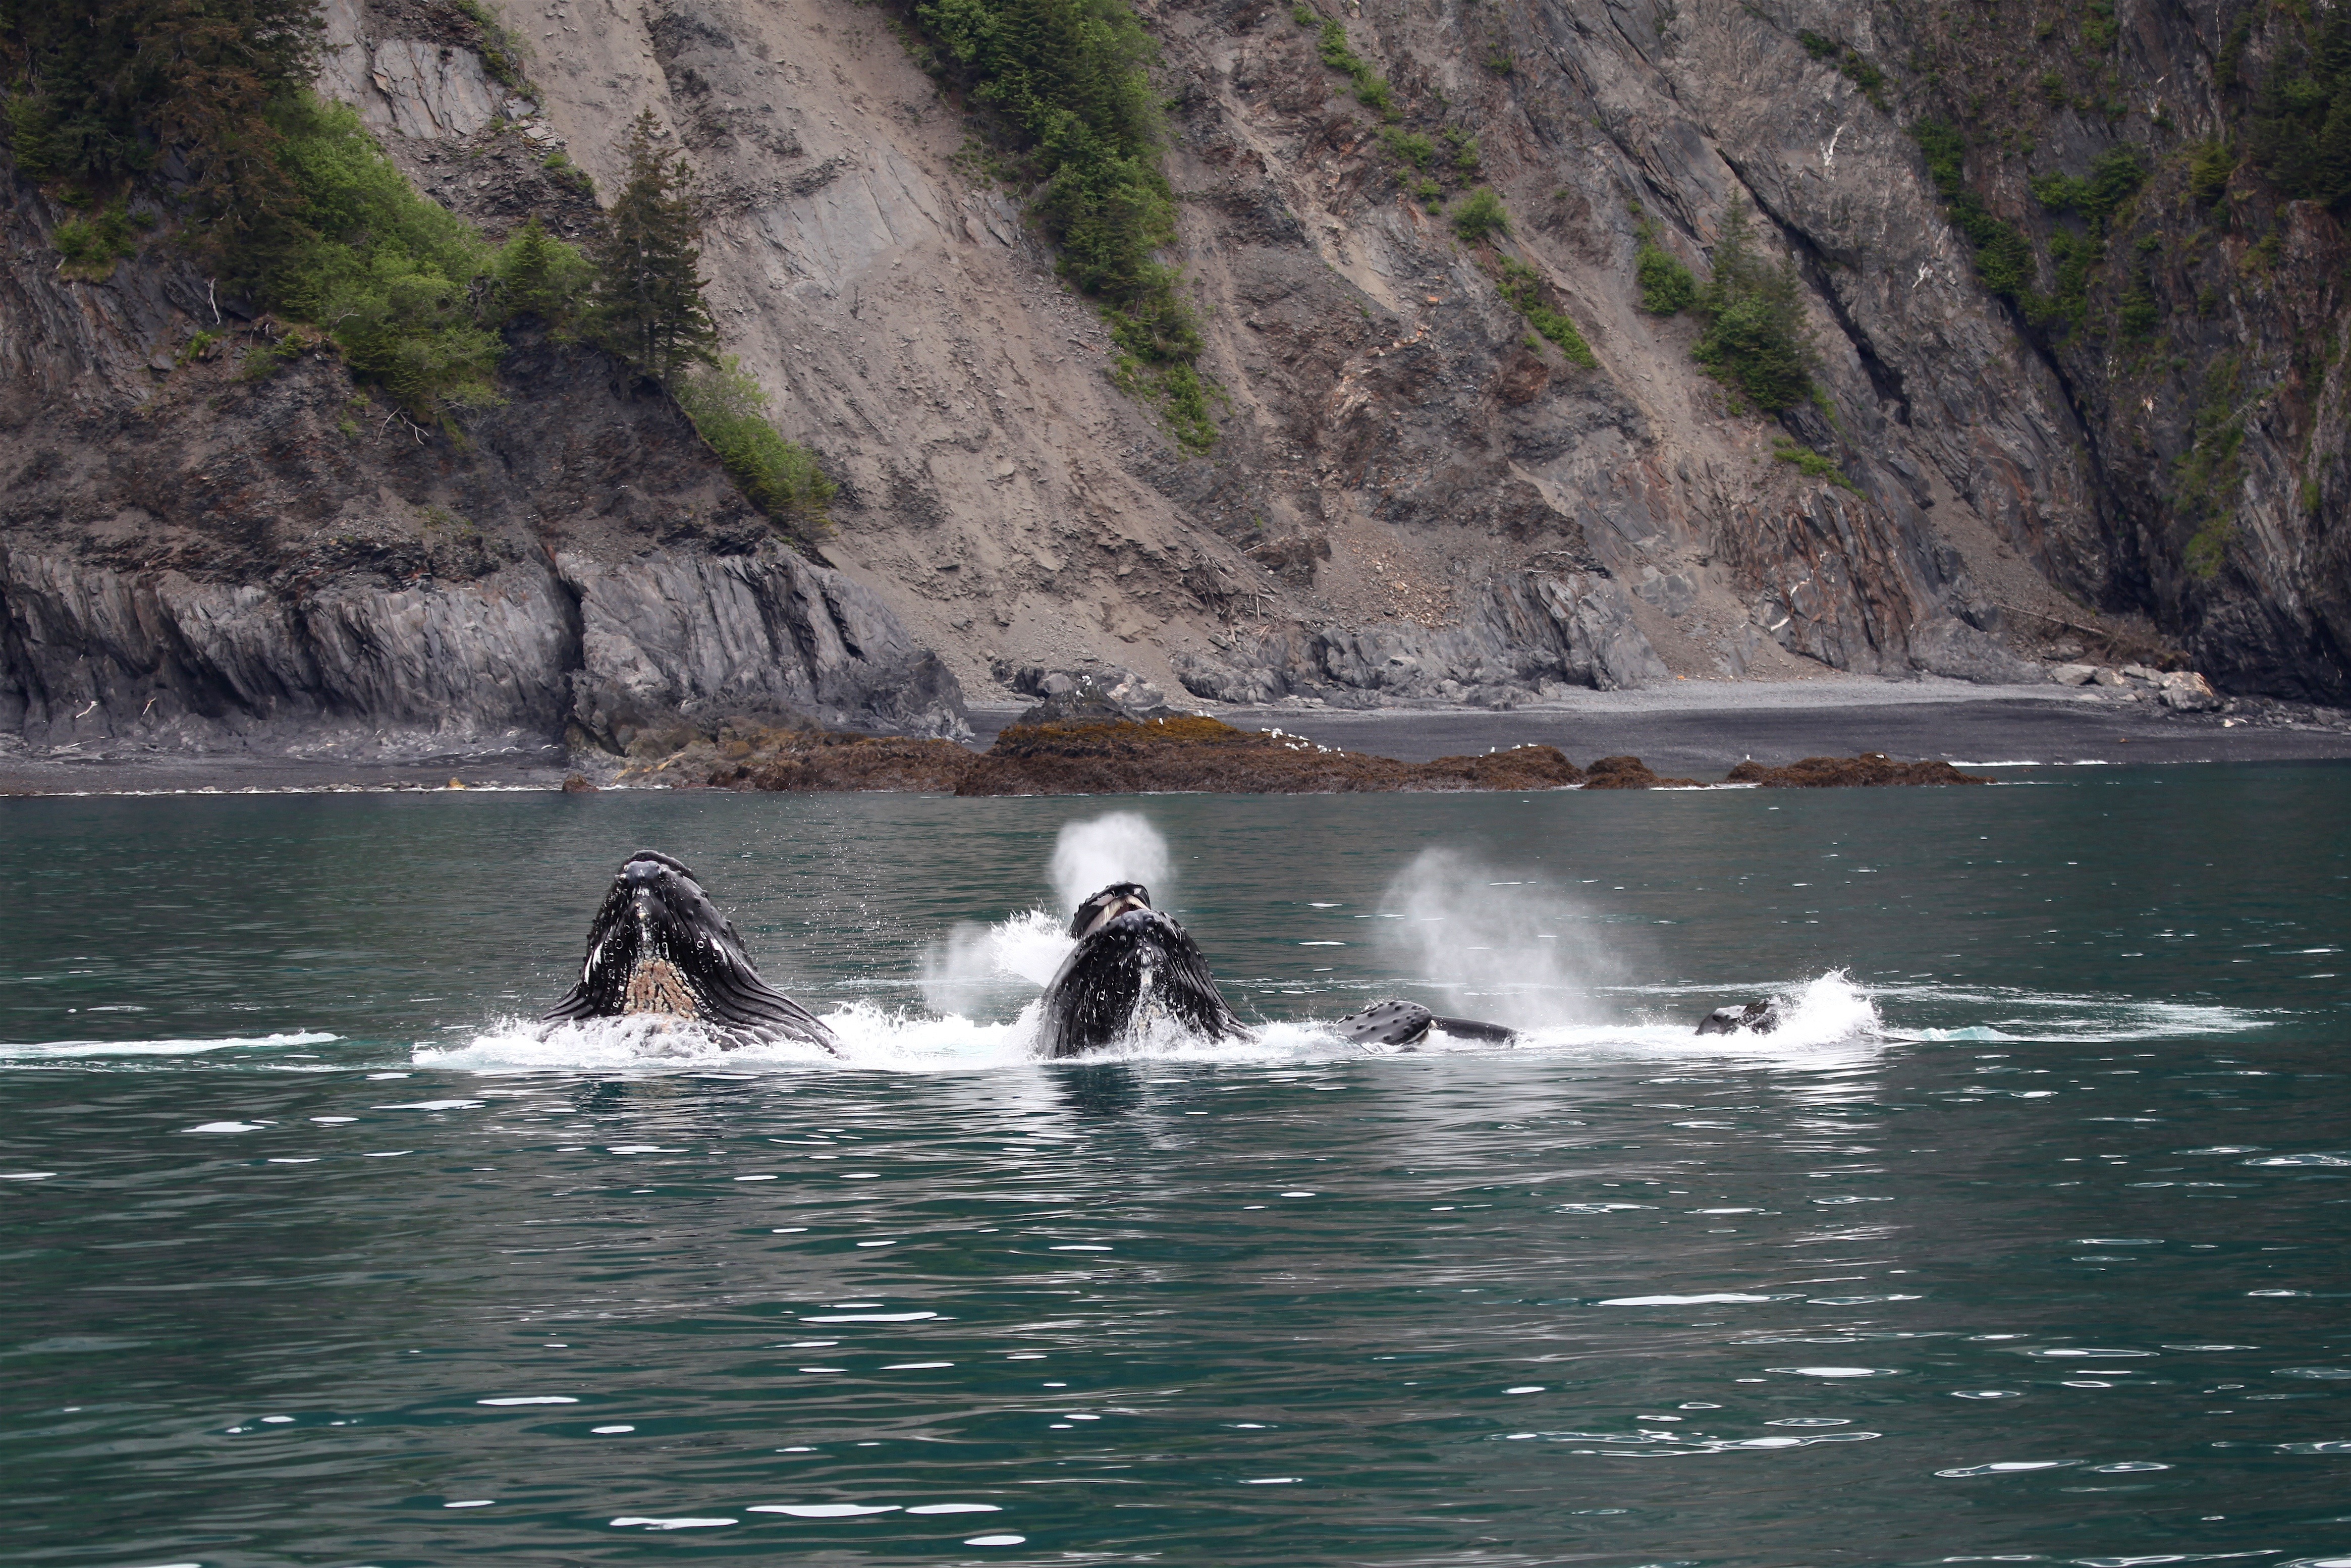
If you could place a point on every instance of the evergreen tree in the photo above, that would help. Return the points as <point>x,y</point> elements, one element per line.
<point>99,92</point>
<point>1755,339</point>
<point>539,275</point>
<point>648,308</point>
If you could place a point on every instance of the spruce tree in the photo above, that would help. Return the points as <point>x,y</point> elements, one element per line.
<point>648,308</point>
<point>1755,339</point>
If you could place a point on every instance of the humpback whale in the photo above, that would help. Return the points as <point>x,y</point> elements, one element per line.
<point>658,946</point>
<point>1132,962</point>
<point>1757,1018</point>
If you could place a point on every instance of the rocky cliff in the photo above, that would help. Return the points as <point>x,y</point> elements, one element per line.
<point>1414,495</point>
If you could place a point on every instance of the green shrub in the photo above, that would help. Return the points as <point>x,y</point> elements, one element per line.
<point>1755,340</point>
<point>197,347</point>
<point>1480,216</point>
<point>779,477</point>
<point>1523,287</point>
<point>1371,89</point>
<point>2208,473</point>
<point>92,246</point>
<point>2003,258</point>
<point>2299,124</point>
<point>2207,172</point>
<point>559,165</point>
<point>1668,288</point>
<point>1849,60</point>
<point>501,50</point>
<point>2114,178</point>
<point>1816,465</point>
<point>1409,146</point>
<point>539,275</point>
<point>388,275</point>
<point>1465,150</point>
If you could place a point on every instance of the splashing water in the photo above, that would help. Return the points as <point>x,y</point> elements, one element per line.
<point>1514,952</point>
<point>1829,1022</point>
<point>974,969</point>
<point>1120,847</point>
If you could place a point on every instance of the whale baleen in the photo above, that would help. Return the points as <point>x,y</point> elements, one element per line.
<point>659,948</point>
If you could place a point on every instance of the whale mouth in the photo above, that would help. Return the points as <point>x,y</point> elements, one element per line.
<point>1119,898</point>
<point>659,948</point>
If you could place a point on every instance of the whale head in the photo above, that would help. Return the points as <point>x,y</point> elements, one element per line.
<point>659,946</point>
<point>1129,959</point>
<point>1119,898</point>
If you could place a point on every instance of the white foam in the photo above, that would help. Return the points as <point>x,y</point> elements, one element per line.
<point>975,967</point>
<point>1828,1023</point>
<point>63,1050</point>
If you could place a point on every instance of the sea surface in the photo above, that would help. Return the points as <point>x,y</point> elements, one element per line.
<point>2024,1240</point>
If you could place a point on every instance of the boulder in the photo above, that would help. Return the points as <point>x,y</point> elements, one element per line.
<point>1630,773</point>
<point>2151,675</point>
<point>1107,693</point>
<point>2073,675</point>
<point>2185,691</point>
<point>2106,678</point>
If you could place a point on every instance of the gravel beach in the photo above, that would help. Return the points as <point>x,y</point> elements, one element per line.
<point>1698,728</point>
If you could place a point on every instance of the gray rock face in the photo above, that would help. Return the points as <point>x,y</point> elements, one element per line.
<point>193,562</point>
<point>1528,632</point>
<point>96,660</point>
<point>1411,500</point>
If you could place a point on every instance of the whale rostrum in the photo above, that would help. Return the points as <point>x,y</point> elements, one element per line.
<point>658,947</point>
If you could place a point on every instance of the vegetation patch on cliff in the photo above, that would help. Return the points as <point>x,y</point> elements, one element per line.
<point>1067,84</point>
<point>1755,341</point>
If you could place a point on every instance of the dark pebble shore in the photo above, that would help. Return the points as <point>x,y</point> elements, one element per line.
<point>1695,734</point>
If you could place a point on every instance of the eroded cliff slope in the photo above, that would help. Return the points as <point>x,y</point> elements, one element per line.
<point>1413,495</point>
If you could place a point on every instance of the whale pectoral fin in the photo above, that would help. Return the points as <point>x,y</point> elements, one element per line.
<point>1389,1023</point>
<point>1472,1028</point>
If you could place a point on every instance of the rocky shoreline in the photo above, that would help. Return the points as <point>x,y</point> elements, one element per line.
<point>1082,740</point>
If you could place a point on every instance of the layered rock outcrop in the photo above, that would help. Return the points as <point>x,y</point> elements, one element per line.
<point>1414,497</point>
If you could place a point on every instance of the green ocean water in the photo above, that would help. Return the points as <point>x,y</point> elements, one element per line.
<point>2024,1240</point>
